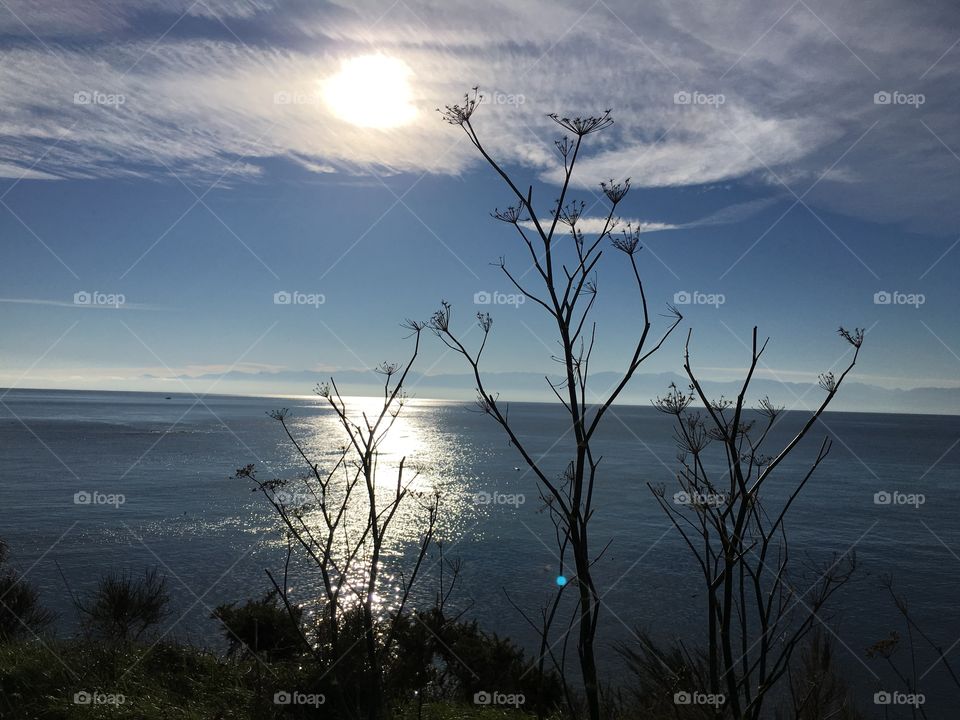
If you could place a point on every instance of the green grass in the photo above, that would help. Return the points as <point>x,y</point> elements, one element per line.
<point>168,682</point>
<point>445,711</point>
<point>40,680</point>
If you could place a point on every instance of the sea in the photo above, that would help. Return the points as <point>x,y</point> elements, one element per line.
<point>97,481</point>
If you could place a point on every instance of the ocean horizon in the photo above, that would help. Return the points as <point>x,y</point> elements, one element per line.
<point>371,392</point>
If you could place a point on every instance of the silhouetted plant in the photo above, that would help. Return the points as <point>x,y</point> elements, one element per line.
<point>349,559</point>
<point>564,271</point>
<point>888,649</point>
<point>454,659</point>
<point>658,675</point>
<point>124,607</point>
<point>21,613</point>
<point>665,676</point>
<point>816,688</point>
<point>755,617</point>
<point>262,627</point>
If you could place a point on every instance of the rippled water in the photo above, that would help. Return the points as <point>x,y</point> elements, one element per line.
<point>172,460</point>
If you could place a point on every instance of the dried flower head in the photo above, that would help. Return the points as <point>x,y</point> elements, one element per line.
<point>721,404</point>
<point>693,436</point>
<point>716,433</point>
<point>440,320</point>
<point>414,326</point>
<point>460,114</point>
<point>486,322</point>
<point>855,337</point>
<point>768,409</point>
<point>511,214</point>
<point>674,402</point>
<point>386,368</point>
<point>828,382</point>
<point>629,240</point>
<point>758,459</point>
<point>570,213</point>
<point>581,126</point>
<point>615,191</point>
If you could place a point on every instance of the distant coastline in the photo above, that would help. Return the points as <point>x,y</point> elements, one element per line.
<point>862,397</point>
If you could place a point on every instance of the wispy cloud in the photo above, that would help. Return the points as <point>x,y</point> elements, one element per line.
<point>593,225</point>
<point>93,305</point>
<point>199,85</point>
<point>733,213</point>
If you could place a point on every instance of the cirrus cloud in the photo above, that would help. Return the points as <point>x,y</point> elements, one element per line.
<point>200,84</point>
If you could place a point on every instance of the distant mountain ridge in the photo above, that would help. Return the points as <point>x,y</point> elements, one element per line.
<point>526,386</point>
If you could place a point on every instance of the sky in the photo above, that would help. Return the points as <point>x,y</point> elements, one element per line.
<point>172,171</point>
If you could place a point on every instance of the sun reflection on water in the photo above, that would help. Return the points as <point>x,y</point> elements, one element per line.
<point>434,461</point>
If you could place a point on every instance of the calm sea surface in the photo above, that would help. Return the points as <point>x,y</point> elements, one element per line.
<point>172,460</point>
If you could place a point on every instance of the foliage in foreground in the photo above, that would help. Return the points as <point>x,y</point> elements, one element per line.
<point>124,606</point>
<point>21,613</point>
<point>167,681</point>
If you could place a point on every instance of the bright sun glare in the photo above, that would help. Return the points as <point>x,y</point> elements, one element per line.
<point>371,91</point>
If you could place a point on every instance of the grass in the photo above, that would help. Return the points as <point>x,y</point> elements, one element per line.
<point>448,711</point>
<point>41,679</point>
<point>165,682</point>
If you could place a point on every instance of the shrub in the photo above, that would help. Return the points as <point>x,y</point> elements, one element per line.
<point>455,660</point>
<point>123,607</point>
<point>261,627</point>
<point>662,672</point>
<point>21,614</point>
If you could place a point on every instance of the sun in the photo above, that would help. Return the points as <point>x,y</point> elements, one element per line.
<point>371,91</point>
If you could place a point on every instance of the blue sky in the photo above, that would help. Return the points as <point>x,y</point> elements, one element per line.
<point>191,158</point>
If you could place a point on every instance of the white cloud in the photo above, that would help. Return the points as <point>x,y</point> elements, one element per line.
<point>594,225</point>
<point>25,173</point>
<point>79,306</point>
<point>733,213</point>
<point>718,145</point>
<point>798,91</point>
<point>52,18</point>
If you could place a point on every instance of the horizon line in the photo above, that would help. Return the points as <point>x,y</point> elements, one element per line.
<point>4,391</point>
